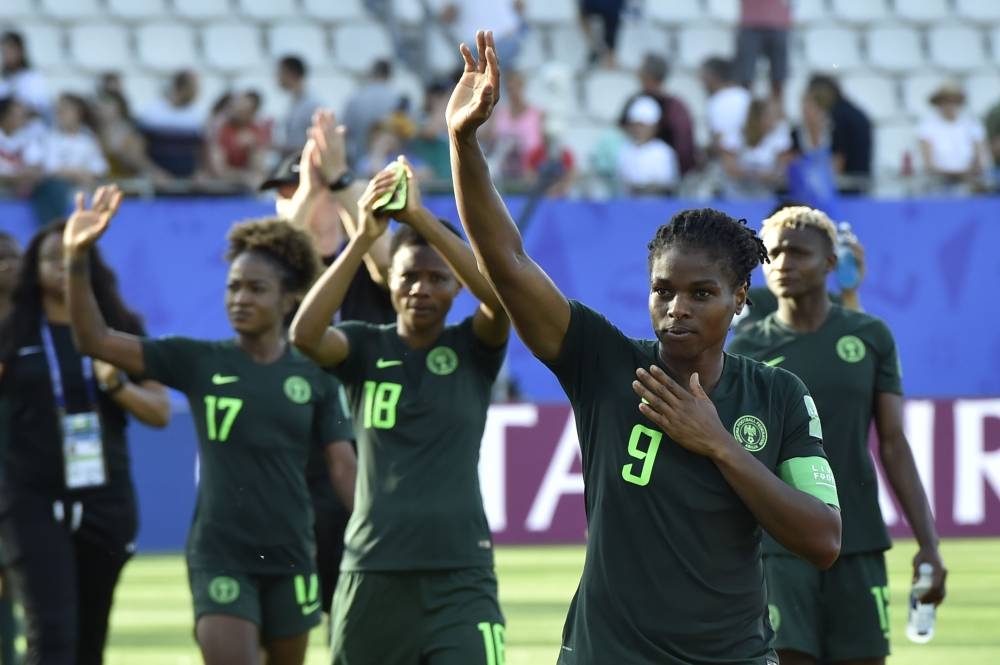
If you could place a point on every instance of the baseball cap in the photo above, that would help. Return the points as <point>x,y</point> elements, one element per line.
<point>285,173</point>
<point>645,111</point>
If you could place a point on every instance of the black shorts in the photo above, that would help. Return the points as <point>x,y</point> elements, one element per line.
<point>751,43</point>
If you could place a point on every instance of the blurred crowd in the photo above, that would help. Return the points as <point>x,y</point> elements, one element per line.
<point>51,144</point>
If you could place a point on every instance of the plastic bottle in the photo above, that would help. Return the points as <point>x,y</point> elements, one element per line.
<point>920,626</point>
<point>848,273</point>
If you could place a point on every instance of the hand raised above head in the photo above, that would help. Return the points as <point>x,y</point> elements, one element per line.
<point>478,91</point>
<point>86,225</point>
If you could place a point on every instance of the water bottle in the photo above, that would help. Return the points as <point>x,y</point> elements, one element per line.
<point>848,272</point>
<point>920,627</point>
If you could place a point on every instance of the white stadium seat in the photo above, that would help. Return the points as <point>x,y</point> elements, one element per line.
<point>166,47</point>
<point>410,86</point>
<point>70,10</point>
<point>831,49</point>
<point>550,11</point>
<point>917,89</point>
<point>605,93</point>
<point>69,80</point>
<point>44,42</point>
<point>727,11</point>
<point>210,88</point>
<point>333,89</point>
<point>581,139</point>
<point>695,44</point>
<point>895,49</point>
<point>956,48</point>
<point>267,10</point>
<point>636,39</point>
<point>306,40</point>
<point>99,46</point>
<point>532,53</point>
<point>995,43</point>
<point>442,53</point>
<point>923,11</point>
<point>892,141</point>
<point>980,11</point>
<point>357,45</point>
<point>410,12</point>
<point>134,10</point>
<point>232,47</point>
<point>202,10</point>
<point>19,9</point>
<point>983,91</point>
<point>876,95</point>
<point>341,10</point>
<point>795,88</point>
<point>569,46</point>
<point>689,89</point>
<point>142,89</point>
<point>675,12</point>
<point>860,12</point>
<point>806,12</point>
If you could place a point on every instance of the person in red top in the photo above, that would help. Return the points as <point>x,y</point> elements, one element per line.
<point>242,141</point>
<point>763,31</point>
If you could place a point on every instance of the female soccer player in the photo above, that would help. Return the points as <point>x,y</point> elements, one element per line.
<point>259,407</point>
<point>848,361</point>
<point>417,581</point>
<point>69,515</point>
<point>678,489</point>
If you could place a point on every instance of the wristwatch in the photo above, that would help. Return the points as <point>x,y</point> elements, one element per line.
<point>112,389</point>
<point>343,182</point>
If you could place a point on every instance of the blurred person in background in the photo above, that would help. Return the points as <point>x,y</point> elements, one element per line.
<point>429,147</point>
<point>19,79</point>
<point>609,14</point>
<point>123,144</point>
<point>763,31</point>
<point>373,101</point>
<point>10,264</point>
<point>291,73</point>
<point>728,103</point>
<point>992,123</point>
<point>515,131</point>
<point>68,514</point>
<point>19,137</point>
<point>240,144</point>
<point>676,127</point>
<point>551,167</point>
<point>755,166</point>
<point>836,122</point>
<point>953,143</point>
<point>174,127</point>
<point>71,151</point>
<point>387,139</point>
<point>646,165</point>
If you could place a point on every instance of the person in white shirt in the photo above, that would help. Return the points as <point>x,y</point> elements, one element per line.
<point>176,112</point>
<point>18,138</point>
<point>71,151</point>
<point>755,161</point>
<point>953,144</point>
<point>647,165</point>
<point>728,103</point>
<point>18,79</point>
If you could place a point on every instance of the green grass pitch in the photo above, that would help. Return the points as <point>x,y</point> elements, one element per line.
<point>152,622</point>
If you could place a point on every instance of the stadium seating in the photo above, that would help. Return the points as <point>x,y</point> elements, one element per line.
<point>357,45</point>
<point>551,11</point>
<point>137,10</point>
<point>202,10</point>
<point>45,44</point>
<point>956,48</point>
<point>309,42</point>
<point>230,47</point>
<point>892,142</point>
<point>699,42</point>
<point>407,11</point>
<point>70,10</point>
<point>831,48</point>
<point>606,91</point>
<point>569,47</point>
<point>269,10</point>
<point>894,49</point>
<point>99,47</point>
<point>877,94</point>
<point>983,90</point>
<point>166,47</point>
<point>16,10</point>
<point>341,10</point>
<point>809,12</point>
<point>860,12</point>
<point>982,11</point>
<point>917,89</point>
<point>726,11</point>
<point>641,37</point>
<point>922,11</point>
<point>676,12</point>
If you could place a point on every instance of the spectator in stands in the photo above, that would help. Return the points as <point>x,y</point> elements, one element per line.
<point>10,264</point>
<point>19,79</point>
<point>755,166</point>
<point>239,147</point>
<point>952,143</point>
<point>646,165</point>
<point>123,144</point>
<point>292,74</point>
<point>430,145</point>
<point>609,12</point>
<point>764,27</point>
<point>728,103</point>
<point>369,105</point>
<point>848,134</point>
<point>551,166</point>
<point>676,127</point>
<point>516,129</point>
<point>993,135</point>
<point>173,127</point>
<point>388,139</point>
<point>71,152</point>
<point>18,138</point>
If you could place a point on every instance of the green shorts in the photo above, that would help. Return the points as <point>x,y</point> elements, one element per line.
<point>834,615</point>
<point>280,605</point>
<point>448,617</point>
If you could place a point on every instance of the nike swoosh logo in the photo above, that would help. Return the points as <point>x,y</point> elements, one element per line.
<point>382,364</point>
<point>220,380</point>
<point>774,362</point>
<point>309,609</point>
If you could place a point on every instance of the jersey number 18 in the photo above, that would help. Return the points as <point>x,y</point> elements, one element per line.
<point>380,404</point>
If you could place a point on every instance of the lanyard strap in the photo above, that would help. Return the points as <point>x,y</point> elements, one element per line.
<point>56,374</point>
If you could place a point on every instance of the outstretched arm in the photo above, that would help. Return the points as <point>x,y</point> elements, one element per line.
<point>539,311</point>
<point>901,472</point>
<point>342,464</point>
<point>92,335</point>
<point>311,332</point>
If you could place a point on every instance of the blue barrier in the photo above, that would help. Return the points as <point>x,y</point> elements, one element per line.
<point>929,265</point>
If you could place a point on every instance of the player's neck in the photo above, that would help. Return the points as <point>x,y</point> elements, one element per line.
<point>55,309</point>
<point>806,313</point>
<point>708,364</point>
<point>265,347</point>
<point>418,338</point>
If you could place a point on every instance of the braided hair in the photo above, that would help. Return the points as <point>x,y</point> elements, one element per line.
<point>729,241</point>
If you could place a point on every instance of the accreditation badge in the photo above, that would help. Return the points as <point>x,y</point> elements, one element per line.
<point>83,451</point>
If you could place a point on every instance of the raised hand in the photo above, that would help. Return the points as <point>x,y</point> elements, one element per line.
<point>478,91</point>
<point>371,224</point>
<point>687,416</point>
<point>331,140</point>
<point>85,225</point>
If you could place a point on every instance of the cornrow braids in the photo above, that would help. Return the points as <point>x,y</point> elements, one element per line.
<point>286,246</point>
<point>730,240</point>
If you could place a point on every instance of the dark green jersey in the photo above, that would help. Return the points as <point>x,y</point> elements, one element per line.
<point>673,574</point>
<point>419,416</point>
<point>845,364</point>
<point>256,424</point>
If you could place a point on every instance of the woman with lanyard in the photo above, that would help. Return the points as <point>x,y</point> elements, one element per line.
<point>68,513</point>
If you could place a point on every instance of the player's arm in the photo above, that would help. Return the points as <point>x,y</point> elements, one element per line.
<point>802,523</point>
<point>539,311</point>
<point>311,332</point>
<point>901,472</point>
<point>490,322</point>
<point>342,463</point>
<point>92,335</point>
<point>147,401</point>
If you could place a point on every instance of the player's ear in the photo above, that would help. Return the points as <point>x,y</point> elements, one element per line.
<point>740,297</point>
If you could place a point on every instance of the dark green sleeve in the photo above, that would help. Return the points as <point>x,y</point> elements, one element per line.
<point>172,361</point>
<point>358,334</point>
<point>587,335</point>
<point>332,421</point>
<point>888,374</point>
<point>489,360</point>
<point>802,462</point>
<point>739,344</point>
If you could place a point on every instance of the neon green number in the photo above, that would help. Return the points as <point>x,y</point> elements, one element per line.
<point>230,406</point>
<point>380,404</point>
<point>647,456</point>
<point>493,642</point>
<point>881,594</point>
